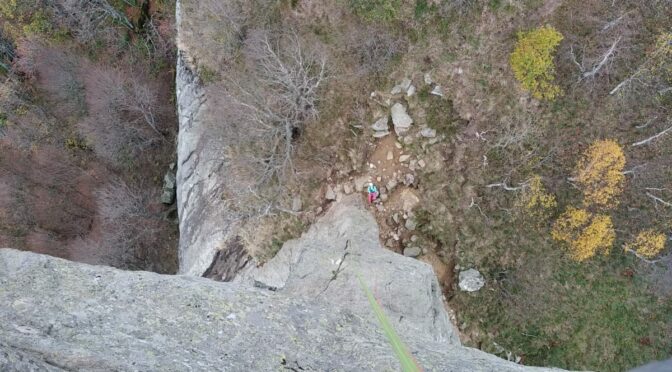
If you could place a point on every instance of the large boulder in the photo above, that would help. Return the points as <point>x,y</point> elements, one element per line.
<point>303,311</point>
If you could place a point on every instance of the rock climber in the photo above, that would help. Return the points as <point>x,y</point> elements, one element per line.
<point>373,192</point>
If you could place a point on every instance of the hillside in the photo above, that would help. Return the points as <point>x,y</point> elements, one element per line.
<point>522,143</point>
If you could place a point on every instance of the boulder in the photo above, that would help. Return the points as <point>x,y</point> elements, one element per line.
<point>347,188</point>
<point>437,91</point>
<point>428,78</point>
<point>403,86</point>
<point>330,194</point>
<point>380,125</point>
<point>400,118</point>
<point>408,200</point>
<point>428,132</point>
<point>391,184</point>
<point>410,224</point>
<point>169,188</point>
<point>412,251</point>
<point>297,204</point>
<point>471,280</point>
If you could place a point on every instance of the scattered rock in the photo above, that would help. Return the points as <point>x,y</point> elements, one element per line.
<point>428,132</point>
<point>414,238</point>
<point>410,91</point>
<point>330,194</point>
<point>409,179</point>
<point>379,178</point>
<point>397,145</point>
<point>380,125</point>
<point>408,200</point>
<point>412,164</point>
<point>410,224</point>
<point>404,158</point>
<point>169,184</point>
<point>471,280</point>
<point>428,79</point>
<point>412,251</point>
<point>297,204</point>
<point>408,140</point>
<point>395,218</point>
<point>360,183</point>
<point>391,184</point>
<point>347,188</point>
<point>384,197</point>
<point>421,163</point>
<point>401,87</point>
<point>380,208</point>
<point>400,118</point>
<point>437,91</point>
<point>390,155</point>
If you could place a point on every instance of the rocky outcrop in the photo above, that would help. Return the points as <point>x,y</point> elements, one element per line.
<point>303,311</point>
<point>200,212</point>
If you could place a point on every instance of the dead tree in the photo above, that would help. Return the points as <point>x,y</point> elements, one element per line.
<point>279,97</point>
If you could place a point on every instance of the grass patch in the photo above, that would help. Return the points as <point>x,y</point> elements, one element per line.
<point>552,311</point>
<point>376,10</point>
<point>440,113</point>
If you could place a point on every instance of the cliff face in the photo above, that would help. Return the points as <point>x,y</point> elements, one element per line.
<point>304,310</point>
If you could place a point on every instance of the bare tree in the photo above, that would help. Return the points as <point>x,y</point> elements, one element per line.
<point>276,101</point>
<point>129,228</point>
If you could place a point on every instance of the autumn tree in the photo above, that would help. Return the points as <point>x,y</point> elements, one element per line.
<point>599,173</point>
<point>532,61</point>
<point>648,244</point>
<point>536,200</point>
<point>584,233</point>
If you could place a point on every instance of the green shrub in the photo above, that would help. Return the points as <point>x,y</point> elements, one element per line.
<point>532,62</point>
<point>376,10</point>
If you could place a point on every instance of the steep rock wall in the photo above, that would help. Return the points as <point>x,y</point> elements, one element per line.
<point>304,311</point>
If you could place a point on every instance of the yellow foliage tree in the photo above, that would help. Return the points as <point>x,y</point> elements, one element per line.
<point>536,200</point>
<point>648,243</point>
<point>599,173</point>
<point>532,61</point>
<point>584,233</point>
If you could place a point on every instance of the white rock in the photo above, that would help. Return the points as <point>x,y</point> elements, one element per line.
<point>330,194</point>
<point>412,252</point>
<point>380,125</point>
<point>471,280</point>
<point>397,145</point>
<point>428,132</point>
<point>411,91</point>
<point>390,155</point>
<point>404,158</point>
<point>428,78</point>
<point>410,224</point>
<point>400,118</point>
<point>437,91</point>
<point>421,163</point>
<point>391,184</point>
<point>297,204</point>
<point>380,134</point>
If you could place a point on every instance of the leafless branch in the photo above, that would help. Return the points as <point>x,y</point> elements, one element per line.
<point>648,140</point>
<point>659,200</point>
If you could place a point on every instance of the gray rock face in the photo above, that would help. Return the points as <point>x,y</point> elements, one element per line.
<point>304,310</point>
<point>207,223</point>
<point>471,280</point>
